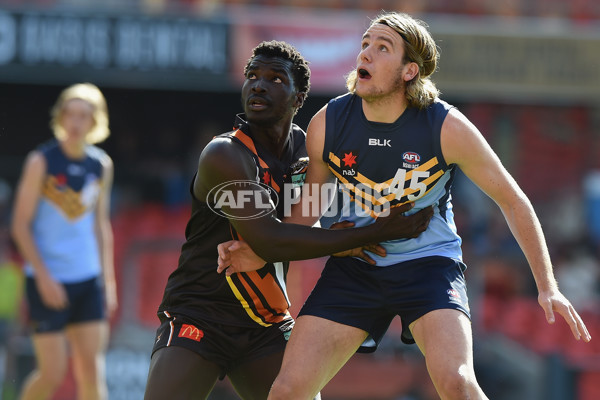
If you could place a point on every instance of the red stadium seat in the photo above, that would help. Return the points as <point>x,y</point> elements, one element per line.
<point>153,270</point>
<point>588,385</point>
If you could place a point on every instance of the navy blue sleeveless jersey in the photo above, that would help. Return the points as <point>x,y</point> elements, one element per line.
<point>379,165</point>
<point>65,219</point>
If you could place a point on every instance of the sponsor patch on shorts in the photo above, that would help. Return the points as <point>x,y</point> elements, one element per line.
<point>190,332</point>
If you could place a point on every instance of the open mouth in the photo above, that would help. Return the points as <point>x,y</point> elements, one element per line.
<point>363,73</point>
<point>257,103</point>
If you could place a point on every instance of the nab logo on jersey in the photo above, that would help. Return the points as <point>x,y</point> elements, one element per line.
<point>411,157</point>
<point>349,160</point>
<point>380,142</point>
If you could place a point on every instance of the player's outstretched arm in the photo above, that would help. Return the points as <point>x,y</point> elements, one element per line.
<point>291,242</point>
<point>463,145</point>
<point>237,256</point>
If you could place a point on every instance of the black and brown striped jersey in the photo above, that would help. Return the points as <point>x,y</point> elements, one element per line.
<point>257,298</point>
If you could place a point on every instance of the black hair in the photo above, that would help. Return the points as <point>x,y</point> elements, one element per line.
<point>275,48</point>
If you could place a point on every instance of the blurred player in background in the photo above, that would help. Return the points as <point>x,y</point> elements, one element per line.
<point>396,137</point>
<point>213,325</point>
<point>61,225</point>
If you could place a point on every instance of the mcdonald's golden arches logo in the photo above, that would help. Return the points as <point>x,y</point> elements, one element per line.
<point>190,332</point>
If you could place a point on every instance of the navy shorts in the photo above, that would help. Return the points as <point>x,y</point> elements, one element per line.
<point>86,303</point>
<point>225,345</point>
<point>368,297</point>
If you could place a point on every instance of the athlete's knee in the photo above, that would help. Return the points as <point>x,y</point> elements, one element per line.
<point>90,370</point>
<point>460,384</point>
<point>280,390</point>
<point>288,389</point>
<point>52,377</point>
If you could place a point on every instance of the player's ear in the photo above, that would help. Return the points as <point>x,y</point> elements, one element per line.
<point>300,97</point>
<point>410,71</point>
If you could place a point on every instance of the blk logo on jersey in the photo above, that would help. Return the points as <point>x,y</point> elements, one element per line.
<point>191,332</point>
<point>410,160</point>
<point>380,142</point>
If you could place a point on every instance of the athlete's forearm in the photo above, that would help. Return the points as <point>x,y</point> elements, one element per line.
<point>526,228</point>
<point>27,248</point>
<point>297,242</point>
<point>275,241</point>
<point>106,250</point>
<point>300,217</point>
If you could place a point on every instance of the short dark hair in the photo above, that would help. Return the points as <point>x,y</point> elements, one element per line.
<point>275,48</point>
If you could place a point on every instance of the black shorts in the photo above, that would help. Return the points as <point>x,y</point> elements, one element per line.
<point>225,345</point>
<point>86,303</point>
<point>367,297</point>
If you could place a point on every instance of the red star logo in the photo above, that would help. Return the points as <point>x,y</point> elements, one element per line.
<point>61,180</point>
<point>266,178</point>
<point>349,159</point>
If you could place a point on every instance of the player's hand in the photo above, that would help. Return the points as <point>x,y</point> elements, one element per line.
<point>237,256</point>
<point>554,301</point>
<point>360,252</point>
<point>396,225</point>
<point>53,293</point>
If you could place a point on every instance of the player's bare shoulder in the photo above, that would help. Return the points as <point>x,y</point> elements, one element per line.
<point>458,137</point>
<point>315,133</point>
<point>222,160</point>
<point>318,119</point>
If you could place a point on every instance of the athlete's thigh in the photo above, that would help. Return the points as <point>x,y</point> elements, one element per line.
<point>177,373</point>
<point>51,352</point>
<point>253,380</point>
<point>88,339</point>
<point>316,351</point>
<point>445,338</point>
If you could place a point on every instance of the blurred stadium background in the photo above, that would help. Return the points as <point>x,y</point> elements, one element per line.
<point>527,73</point>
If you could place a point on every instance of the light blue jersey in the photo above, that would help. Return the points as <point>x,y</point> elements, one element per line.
<point>379,164</point>
<point>64,222</point>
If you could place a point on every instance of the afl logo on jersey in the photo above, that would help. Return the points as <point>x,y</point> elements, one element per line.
<point>411,157</point>
<point>242,199</point>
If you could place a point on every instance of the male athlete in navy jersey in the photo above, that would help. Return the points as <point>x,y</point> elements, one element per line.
<point>391,140</point>
<point>214,325</point>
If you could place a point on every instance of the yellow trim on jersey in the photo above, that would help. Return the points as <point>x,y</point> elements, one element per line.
<point>334,159</point>
<point>67,200</point>
<point>388,198</point>
<point>428,165</point>
<point>369,199</point>
<point>363,195</point>
<point>244,303</point>
<point>425,167</point>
